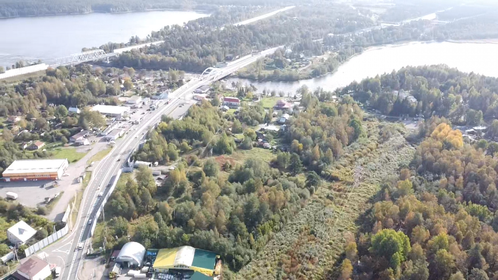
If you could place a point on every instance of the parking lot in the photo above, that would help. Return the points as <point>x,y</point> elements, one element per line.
<point>31,194</point>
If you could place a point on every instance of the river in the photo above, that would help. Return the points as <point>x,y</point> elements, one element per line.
<point>47,38</point>
<point>474,57</point>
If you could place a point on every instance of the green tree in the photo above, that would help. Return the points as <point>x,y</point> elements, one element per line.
<point>346,270</point>
<point>211,168</point>
<point>295,165</point>
<point>61,112</point>
<point>237,126</point>
<point>392,245</point>
<point>358,129</point>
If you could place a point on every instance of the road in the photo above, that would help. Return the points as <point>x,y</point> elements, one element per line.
<point>64,252</point>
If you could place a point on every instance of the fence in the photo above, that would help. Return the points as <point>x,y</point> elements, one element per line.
<point>50,239</point>
<point>104,200</point>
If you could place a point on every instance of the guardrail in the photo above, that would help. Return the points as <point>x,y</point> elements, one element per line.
<point>104,200</point>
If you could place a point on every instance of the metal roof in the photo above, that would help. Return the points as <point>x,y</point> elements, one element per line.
<point>35,166</point>
<point>186,257</point>
<point>111,110</point>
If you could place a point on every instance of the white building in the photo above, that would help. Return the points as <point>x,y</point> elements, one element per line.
<point>114,135</point>
<point>33,269</point>
<point>134,100</point>
<point>132,254</point>
<point>112,111</point>
<point>20,233</point>
<point>73,110</point>
<point>35,170</point>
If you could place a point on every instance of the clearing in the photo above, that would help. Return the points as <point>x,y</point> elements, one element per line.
<point>313,241</point>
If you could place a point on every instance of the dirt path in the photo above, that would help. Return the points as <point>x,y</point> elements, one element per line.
<point>308,246</point>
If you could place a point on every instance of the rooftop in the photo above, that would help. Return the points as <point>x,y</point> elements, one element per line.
<point>34,166</point>
<point>32,266</point>
<point>186,257</point>
<point>22,231</point>
<point>108,109</point>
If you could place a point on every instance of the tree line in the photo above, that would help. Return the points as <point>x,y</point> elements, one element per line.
<point>463,98</point>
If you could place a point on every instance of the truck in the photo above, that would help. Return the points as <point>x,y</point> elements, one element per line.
<point>57,272</point>
<point>11,195</point>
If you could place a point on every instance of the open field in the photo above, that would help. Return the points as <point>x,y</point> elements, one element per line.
<point>309,246</point>
<point>269,102</point>
<point>70,153</point>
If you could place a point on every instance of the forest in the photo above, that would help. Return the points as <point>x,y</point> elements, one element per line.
<point>203,46</point>
<point>463,98</point>
<point>436,221</point>
<point>230,208</point>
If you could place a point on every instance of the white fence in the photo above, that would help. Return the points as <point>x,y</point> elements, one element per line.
<point>47,241</point>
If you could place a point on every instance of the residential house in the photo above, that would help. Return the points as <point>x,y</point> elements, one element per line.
<point>33,269</point>
<point>73,110</point>
<point>79,136</point>
<point>36,145</point>
<point>232,102</point>
<point>283,119</point>
<point>282,105</point>
<point>13,119</point>
<point>82,142</point>
<point>20,233</point>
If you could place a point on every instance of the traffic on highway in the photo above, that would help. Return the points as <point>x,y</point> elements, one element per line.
<point>71,250</point>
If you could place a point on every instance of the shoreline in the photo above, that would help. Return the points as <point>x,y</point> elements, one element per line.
<point>372,47</point>
<point>108,13</point>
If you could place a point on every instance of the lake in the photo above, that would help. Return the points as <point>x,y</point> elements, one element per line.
<point>479,58</point>
<point>47,38</point>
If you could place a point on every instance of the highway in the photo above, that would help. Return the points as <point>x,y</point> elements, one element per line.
<point>65,252</point>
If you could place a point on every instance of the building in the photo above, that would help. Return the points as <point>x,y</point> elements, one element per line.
<point>134,100</point>
<point>82,142</point>
<point>283,119</point>
<point>131,255</point>
<point>112,111</point>
<point>282,105</point>
<point>36,145</point>
<point>114,135</point>
<point>187,258</point>
<point>20,233</point>
<point>13,119</point>
<point>73,110</point>
<point>33,269</point>
<point>162,95</point>
<point>202,89</point>
<point>200,97</point>
<point>79,136</point>
<point>232,102</point>
<point>34,170</point>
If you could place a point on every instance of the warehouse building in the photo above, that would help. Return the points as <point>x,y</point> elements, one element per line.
<point>187,258</point>
<point>35,170</point>
<point>112,111</point>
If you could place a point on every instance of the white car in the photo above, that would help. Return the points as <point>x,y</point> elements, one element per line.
<point>100,194</point>
<point>90,221</point>
<point>80,245</point>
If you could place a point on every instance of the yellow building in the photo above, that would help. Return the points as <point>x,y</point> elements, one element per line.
<point>187,258</point>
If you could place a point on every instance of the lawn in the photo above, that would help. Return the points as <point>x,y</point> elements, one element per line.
<point>269,102</point>
<point>99,156</point>
<point>70,153</point>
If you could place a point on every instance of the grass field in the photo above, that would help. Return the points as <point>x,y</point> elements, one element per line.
<point>99,156</point>
<point>269,102</point>
<point>70,153</point>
